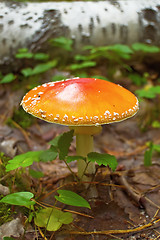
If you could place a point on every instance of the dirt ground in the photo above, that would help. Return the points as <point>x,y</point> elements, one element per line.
<point>128,201</point>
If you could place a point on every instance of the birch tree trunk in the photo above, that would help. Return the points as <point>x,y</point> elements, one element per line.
<point>98,23</point>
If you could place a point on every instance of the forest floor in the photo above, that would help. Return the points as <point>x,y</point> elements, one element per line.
<point>128,201</point>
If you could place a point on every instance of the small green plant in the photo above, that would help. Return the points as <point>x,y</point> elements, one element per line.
<point>148,92</point>
<point>137,79</point>
<point>149,152</point>
<point>10,77</point>
<point>156,124</point>
<point>38,69</point>
<point>51,218</point>
<point>59,148</point>
<point>62,42</point>
<point>20,117</point>
<point>145,48</point>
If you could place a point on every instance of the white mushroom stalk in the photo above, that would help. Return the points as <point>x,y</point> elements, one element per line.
<point>84,145</point>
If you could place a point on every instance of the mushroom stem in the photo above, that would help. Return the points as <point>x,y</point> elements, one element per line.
<point>84,145</point>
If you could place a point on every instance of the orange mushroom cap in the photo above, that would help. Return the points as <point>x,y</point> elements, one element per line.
<point>80,101</point>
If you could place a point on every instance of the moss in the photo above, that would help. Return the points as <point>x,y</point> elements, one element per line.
<point>5,213</point>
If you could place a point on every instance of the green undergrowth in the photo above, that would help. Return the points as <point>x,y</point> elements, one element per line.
<point>105,62</point>
<point>25,198</point>
<point>18,173</point>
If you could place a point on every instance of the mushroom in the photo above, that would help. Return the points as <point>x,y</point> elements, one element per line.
<point>84,104</point>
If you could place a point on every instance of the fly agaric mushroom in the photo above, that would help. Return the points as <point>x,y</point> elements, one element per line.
<point>84,104</point>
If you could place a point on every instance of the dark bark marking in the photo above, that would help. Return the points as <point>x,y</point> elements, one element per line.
<point>1,27</point>
<point>150,15</point>
<point>11,22</point>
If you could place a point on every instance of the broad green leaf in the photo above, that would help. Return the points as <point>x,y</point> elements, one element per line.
<point>52,219</point>
<point>120,48</point>
<point>148,92</point>
<point>145,48</point>
<point>19,198</point>
<point>44,67</point>
<point>54,142</point>
<point>27,72</point>
<point>49,155</point>
<point>137,79</point>
<point>74,158</point>
<point>71,198</point>
<point>23,160</point>
<point>85,64</point>
<point>8,78</point>
<point>41,56</point>
<point>79,57</point>
<point>156,147</point>
<point>156,124</point>
<point>101,49</point>
<point>105,159</point>
<point>23,50</point>
<point>24,55</point>
<point>35,174</point>
<point>40,68</point>
<point>64,143</point>
<point>62,42</point>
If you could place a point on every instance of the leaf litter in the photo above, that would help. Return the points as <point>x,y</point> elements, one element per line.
<point>128,199</point>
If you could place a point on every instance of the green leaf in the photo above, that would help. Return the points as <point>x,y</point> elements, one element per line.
<point>58,78</point>
<point>137,79</point>
<point>148,92</point>
<point>8,78</point>
<point>71,198</point>
<point>8,238</point>
<point>27,72</point>
<point>145,48</point>
<point>23,160</point>
<point>156,147</point>
<point>79,57</point>
<point>64,143</point>
<point>52,219</point>
<point>156,124</point>
<point>35,174</point>
<point>54,142</point>
<point>44,67</point>
<point>19,198</point>
<point>74,158</point>
<point>24,55</point>
<point>40,68</point>
<point>83,65</point>
<point>23,50</point>
<point>105,159</point>
<point>62,42</point>
<point>120,48</point>
<point>41,56</point>
<point>49,155</point>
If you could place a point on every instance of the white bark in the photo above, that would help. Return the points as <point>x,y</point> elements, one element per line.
<point>97,23</point>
